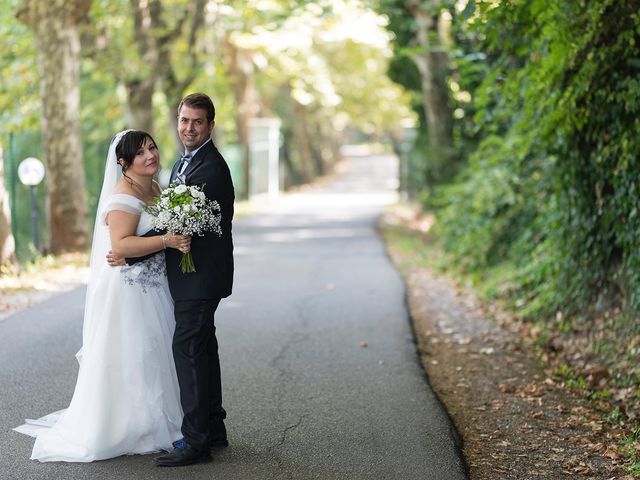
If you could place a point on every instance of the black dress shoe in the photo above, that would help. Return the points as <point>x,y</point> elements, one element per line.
<point>182,456</point>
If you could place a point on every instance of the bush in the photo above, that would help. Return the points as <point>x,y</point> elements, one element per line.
<point>552,186</point>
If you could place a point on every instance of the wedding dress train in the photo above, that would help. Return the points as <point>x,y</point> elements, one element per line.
<point>126,399</point>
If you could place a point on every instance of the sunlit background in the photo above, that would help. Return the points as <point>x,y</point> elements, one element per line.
<point>516,123</point>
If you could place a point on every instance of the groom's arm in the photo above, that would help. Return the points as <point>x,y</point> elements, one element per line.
<point>115,261</point>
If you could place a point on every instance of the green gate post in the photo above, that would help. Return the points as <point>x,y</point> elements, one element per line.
<point>12,174</point>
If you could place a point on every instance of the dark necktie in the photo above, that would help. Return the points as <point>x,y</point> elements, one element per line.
<point>184,163</point>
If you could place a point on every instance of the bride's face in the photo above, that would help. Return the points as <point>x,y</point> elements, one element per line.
<point>147,159</point>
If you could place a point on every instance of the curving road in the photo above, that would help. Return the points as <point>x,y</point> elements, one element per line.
<point>320,374</point>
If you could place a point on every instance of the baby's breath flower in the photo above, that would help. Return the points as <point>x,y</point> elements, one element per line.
<point>187,211</point>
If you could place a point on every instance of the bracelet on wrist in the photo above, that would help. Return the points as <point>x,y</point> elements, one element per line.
<point>164,243</point>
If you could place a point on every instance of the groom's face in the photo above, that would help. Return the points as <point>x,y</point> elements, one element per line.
<point>193,127</point>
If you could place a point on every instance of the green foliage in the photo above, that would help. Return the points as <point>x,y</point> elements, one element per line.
<point>19,120</point>
<point>331,56</point>
<point>19,105</point>
<point>430,165</point>
<point>552,179</point>
<point>630,449</point>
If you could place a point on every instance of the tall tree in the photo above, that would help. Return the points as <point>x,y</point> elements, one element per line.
<point>148,46</point>
<point>432,61</point>
<point>326,69</point>
<point>55,25</point>
<point>422,63</point>
<point>157,40</point>
<point>141,84</point>
<point>242,71</point>
<point>177,76</point>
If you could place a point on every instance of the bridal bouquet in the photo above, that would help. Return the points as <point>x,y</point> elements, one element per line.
<point>187,211</point>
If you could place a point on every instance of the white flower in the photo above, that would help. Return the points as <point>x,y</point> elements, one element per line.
<point>179,217</point>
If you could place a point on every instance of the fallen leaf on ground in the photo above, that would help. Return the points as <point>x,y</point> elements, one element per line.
<point>507,388</point>
<point>612,454</point>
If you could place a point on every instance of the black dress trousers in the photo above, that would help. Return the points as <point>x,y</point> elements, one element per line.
<point>195,351</point>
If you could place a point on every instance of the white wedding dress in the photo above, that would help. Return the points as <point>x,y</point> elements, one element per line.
<point>126,399</point>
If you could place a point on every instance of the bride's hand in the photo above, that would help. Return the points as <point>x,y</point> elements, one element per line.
<point>179,242</point>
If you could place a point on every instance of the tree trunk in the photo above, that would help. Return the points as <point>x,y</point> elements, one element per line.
<point>241,70</point>
<point>432,63</point>
<point>7,243</point>
<point>316,141</point>
<point>141,86</point>
<point>172,84</point>
<point>324,145</point>
<point>242,126</point>
<point>54,24</point>
<point>174,103</point>
<point>302,141</point>
<point>291,174</point>
<point>140,103</point>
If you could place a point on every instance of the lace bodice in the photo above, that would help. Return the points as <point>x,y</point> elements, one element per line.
<point>149,273</point>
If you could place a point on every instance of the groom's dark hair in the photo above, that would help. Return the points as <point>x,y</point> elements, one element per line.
<point>200,101</point>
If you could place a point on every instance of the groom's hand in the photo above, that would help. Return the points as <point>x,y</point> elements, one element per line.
<point>114,260</point>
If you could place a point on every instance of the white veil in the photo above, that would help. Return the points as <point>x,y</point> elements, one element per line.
<point>101,240</point>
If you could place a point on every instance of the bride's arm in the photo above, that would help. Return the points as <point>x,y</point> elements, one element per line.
<point>125,242</point>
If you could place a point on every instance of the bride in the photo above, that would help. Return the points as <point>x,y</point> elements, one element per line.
<point>126,399</point>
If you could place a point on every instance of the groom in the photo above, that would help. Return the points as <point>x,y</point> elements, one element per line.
<point>197,294</point>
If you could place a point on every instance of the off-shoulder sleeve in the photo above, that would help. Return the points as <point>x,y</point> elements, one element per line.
<point>121,202</point>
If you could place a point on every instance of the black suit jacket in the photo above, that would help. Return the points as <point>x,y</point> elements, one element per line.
<point>212,254</point>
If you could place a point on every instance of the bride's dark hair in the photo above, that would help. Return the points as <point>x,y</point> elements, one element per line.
<point>128,147</point>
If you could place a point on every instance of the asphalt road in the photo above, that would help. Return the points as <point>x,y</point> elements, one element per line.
<point>305,398</point>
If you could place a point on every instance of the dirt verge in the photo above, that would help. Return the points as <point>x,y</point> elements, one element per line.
<point>515,420</point>
<point>39,281</point>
